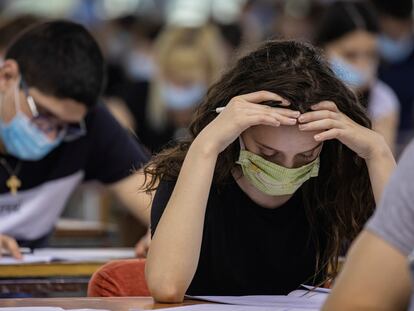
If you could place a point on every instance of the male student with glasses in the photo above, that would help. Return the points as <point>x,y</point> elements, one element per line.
<point>55,134</point>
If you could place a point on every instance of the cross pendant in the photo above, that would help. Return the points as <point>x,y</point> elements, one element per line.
<point>13,183</point>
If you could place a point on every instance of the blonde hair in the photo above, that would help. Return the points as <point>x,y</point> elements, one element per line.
<point>184,51</point>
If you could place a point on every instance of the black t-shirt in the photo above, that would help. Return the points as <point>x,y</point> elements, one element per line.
<point>247,249</point>
<point>107,153</point>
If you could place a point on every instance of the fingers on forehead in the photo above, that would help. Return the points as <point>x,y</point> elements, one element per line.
<point>261,96</point>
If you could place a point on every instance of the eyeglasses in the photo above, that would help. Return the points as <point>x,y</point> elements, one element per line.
<point>48,123</point>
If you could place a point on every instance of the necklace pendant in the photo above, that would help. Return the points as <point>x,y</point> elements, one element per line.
<point>13,183</point>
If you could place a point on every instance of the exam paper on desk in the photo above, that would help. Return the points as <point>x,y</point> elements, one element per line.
<point>302,299</point>
<point>221,307</point>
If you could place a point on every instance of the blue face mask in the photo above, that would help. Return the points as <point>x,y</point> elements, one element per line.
<point>348,73</point>
<point>23,139</point>
<point>140,66</point>
<point>395,51</point>
<point>177,98</point>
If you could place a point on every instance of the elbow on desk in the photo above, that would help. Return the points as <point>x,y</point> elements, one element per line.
<point>166,293</point>
<point>163,289</point>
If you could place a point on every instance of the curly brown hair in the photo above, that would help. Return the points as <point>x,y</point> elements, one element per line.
<point>340,200</point>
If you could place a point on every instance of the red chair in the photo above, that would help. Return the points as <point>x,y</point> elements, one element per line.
<point>119,278</point>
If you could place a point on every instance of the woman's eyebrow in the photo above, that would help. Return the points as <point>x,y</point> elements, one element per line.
<point>268,147</point>
<point>313,149</point>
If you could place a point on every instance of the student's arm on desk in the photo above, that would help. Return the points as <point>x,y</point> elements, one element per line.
<point>130,193</point>
<point>375,277</point>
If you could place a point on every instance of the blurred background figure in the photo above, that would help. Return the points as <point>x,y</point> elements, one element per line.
<point>9,27</point>
<point>297,19</point>
<point>189,60</point>
<point>396,47</point>
<point>348,32</point>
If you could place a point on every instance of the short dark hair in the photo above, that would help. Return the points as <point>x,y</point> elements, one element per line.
<point>343,17</point>
<point>62,59</point>
<point>399,9</point>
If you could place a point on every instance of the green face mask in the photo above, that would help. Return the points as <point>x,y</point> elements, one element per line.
<point>273,179</point>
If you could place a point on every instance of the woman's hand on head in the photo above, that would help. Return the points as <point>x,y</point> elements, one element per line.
<point>334,124</point>
<point>242,112</point>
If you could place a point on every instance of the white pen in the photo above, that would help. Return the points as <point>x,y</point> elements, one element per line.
<point>220,109</point>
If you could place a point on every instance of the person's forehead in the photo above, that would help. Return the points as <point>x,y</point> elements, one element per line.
<point>284,138</point>
<point>358,39</point>
<point>65,109</point>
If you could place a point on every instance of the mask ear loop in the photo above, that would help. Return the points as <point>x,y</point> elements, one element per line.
<point>1,105</point>
<point>16,96</point>
<point>242,146</point>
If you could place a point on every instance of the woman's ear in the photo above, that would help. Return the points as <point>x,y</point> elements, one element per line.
<point>9,74</point>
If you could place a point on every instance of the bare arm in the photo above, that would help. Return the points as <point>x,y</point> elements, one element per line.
<point>381,165</point>
<point>129,192</point>
<point>175,247</point>
<point>375,277</point>
<point>387,127</point>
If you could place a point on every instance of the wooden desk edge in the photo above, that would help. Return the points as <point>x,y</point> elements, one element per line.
<point>49,270</point>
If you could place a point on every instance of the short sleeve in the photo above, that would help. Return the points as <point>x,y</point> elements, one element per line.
<point>113,152</point>
<point>383,101</point>
<point>161,198</point>
<point>394,218</point>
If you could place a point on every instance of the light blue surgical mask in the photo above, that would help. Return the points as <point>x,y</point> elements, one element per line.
<point>395,51</point>
<point>140,66</point>
<point>349,74</point>
<point>181,98</point>
<point>23,139</point>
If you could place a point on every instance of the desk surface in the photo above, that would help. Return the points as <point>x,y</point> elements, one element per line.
<point>113,304</point>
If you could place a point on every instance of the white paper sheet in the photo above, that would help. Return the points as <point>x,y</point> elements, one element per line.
<point>27,259</point>
<point>46,255</point>
<point>221,307</point>
<point>301,299</point>
<point>85,254</point>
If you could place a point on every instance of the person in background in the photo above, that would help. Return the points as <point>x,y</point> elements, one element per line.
<point>348,32</point>
<point>55,133</point>
<point>189,60</point>
<point>296,19</point>
<point>140,68</point>
<point>379,271</point>
<point>396,46</point>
